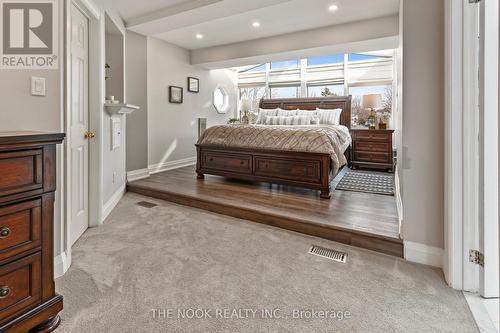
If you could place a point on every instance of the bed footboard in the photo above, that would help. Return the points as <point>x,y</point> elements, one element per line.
<point>302,169</point>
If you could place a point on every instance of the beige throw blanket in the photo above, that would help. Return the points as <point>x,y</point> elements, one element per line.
<point>330,139</point>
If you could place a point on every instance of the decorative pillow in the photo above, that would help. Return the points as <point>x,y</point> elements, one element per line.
<point>292,120</point>
<point>287,113</point>
<point>264,113</point>
<point>309,113</point>
<point>329,117</point>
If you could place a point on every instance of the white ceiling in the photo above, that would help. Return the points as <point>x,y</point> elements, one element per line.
<point>229,21</point>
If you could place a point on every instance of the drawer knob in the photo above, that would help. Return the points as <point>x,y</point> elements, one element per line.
<point>242,162</point>
<point>4,232</point>
<point>4,291</point>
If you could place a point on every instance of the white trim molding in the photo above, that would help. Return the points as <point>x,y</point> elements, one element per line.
<point>423,254</point>
<point>399,200</point>
<point>137,174</point>
<point>113,201</point>
<point>170,165</point>
<point>61,264</point>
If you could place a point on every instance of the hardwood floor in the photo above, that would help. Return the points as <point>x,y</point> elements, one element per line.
<point>359,219</point>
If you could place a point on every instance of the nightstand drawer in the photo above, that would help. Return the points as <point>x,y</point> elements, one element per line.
<point>371,146</point>
<point>21,171</point>
<point>20,228</point>
<point>372,157</point>
<point>20,285</point>
<point>372,135</point>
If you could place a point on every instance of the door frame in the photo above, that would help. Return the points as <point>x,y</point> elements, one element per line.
<point>96,96</point>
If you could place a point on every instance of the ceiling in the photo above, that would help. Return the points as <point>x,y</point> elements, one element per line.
<point>228,21</point>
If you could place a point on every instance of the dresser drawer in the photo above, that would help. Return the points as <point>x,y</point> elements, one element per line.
<point>20,228</point>
<point>371,146</point>
<point>21,171</point>
<point>240,163</point>
<point>372,157</point>
<point>20,285</point>
<point>372,135</point>
<point>300,170</point>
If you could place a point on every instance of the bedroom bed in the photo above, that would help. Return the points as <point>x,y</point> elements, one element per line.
<point>303,156</point>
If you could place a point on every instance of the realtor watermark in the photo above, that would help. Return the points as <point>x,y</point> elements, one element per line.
<point>29,34</point>
<point>249,313</point>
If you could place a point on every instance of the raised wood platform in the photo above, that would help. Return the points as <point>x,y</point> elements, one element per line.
<point>360,219</point>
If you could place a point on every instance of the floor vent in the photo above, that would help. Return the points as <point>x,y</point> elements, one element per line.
<point>328,253</point>
<point>146,204</point>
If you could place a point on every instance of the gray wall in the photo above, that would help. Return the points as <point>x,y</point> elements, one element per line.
<point>137,94</point>
<point>173,128</point>
<point>423,121</point>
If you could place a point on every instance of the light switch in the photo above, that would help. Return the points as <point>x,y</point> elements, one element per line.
<point>37,86</point>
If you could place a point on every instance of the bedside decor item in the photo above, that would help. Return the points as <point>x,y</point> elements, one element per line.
<point>233,121</point>
<point>372,102</point>
<point>193,84</point>
<point>372,149</point>
<point>246,105</point>
<point>175,94</point>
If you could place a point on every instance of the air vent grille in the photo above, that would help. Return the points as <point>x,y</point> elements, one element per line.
<point>146,204</point>
<point>328,253</point>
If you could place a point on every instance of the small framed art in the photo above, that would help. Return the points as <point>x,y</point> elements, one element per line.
<point>175,94</point>
<point>193,84</point>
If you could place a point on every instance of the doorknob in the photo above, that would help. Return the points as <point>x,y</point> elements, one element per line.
<point>89,135</point>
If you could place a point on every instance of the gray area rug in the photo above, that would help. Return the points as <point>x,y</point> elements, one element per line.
<point>368,182</point>
<point>174,258</point>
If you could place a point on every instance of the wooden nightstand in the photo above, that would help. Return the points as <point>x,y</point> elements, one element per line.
<point>372,149</point>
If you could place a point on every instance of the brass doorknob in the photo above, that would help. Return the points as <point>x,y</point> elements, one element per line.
<point>89,135</point>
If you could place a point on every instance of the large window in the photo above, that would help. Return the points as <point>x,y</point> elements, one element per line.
<point>325,90</point>
<point>256,68</point>
<point>281,65</point>
<point>360,113</point>
<point>285,92</point>
<point>254,94</point>
<point>326,60</point>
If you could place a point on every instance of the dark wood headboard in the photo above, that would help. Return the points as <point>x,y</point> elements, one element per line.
<point>343,102</point>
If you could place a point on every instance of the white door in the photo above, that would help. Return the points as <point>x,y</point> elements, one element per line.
<point>79,125</point>
<point>489,100</point>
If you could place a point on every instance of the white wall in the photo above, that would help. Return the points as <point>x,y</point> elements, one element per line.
<point>173,128</point>
<point>423,122</point>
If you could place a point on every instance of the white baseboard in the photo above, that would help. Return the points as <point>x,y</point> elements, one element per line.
<point>61,265</point>
<point>113,201</point>
<point>170,165</point>
<point>137,174</point>
<point>423,254</point>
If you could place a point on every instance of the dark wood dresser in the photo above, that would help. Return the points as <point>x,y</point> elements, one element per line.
<point>372,149</point>
<point>28,302</point>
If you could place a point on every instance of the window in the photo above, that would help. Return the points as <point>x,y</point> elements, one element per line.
<point>285,92</point>
<point>326,60</point>
<point>325,90</point>
<point>254,94</point>
<point>360,57</point>
<point>256,68</point>
<point>220,100</point>
<point>281,65</point>
<point>359,113</point>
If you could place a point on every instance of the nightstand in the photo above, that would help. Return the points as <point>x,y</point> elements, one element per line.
<point>372,149</point>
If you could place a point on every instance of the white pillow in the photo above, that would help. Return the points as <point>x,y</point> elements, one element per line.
<point>329,116</point>
<point>292,120</point>
<point>287,113</point>
<point>263,113</point>
<point>310,113</point>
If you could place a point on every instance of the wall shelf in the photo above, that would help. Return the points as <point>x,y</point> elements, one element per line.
<point>113,109</point>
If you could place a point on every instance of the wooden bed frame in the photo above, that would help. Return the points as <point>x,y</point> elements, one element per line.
<point>302,169</point>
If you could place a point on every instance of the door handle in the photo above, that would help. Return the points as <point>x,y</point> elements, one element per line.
<point>89,135</point>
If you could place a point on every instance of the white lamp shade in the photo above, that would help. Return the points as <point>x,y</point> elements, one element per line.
<point>246,104</point>
<point>373,101</point>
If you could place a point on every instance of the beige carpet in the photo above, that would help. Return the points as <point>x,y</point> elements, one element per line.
<point>173,257</point>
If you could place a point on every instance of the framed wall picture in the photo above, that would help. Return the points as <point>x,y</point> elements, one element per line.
<point>193,84</point>
<point>175,94</point>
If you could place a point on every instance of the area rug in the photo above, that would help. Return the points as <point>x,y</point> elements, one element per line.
<point>368,182</point>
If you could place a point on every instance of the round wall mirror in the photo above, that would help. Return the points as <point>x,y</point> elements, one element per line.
<point>221,100</point>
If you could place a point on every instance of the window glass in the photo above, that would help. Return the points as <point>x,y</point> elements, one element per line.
<point>285,92</point>
<point>359,57</point>
<point>326,60</point>
<point>220,100</point>
<point>280,65</point>
<point>254,94</point>
<point>360,114</point>
<point>325,90</point>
